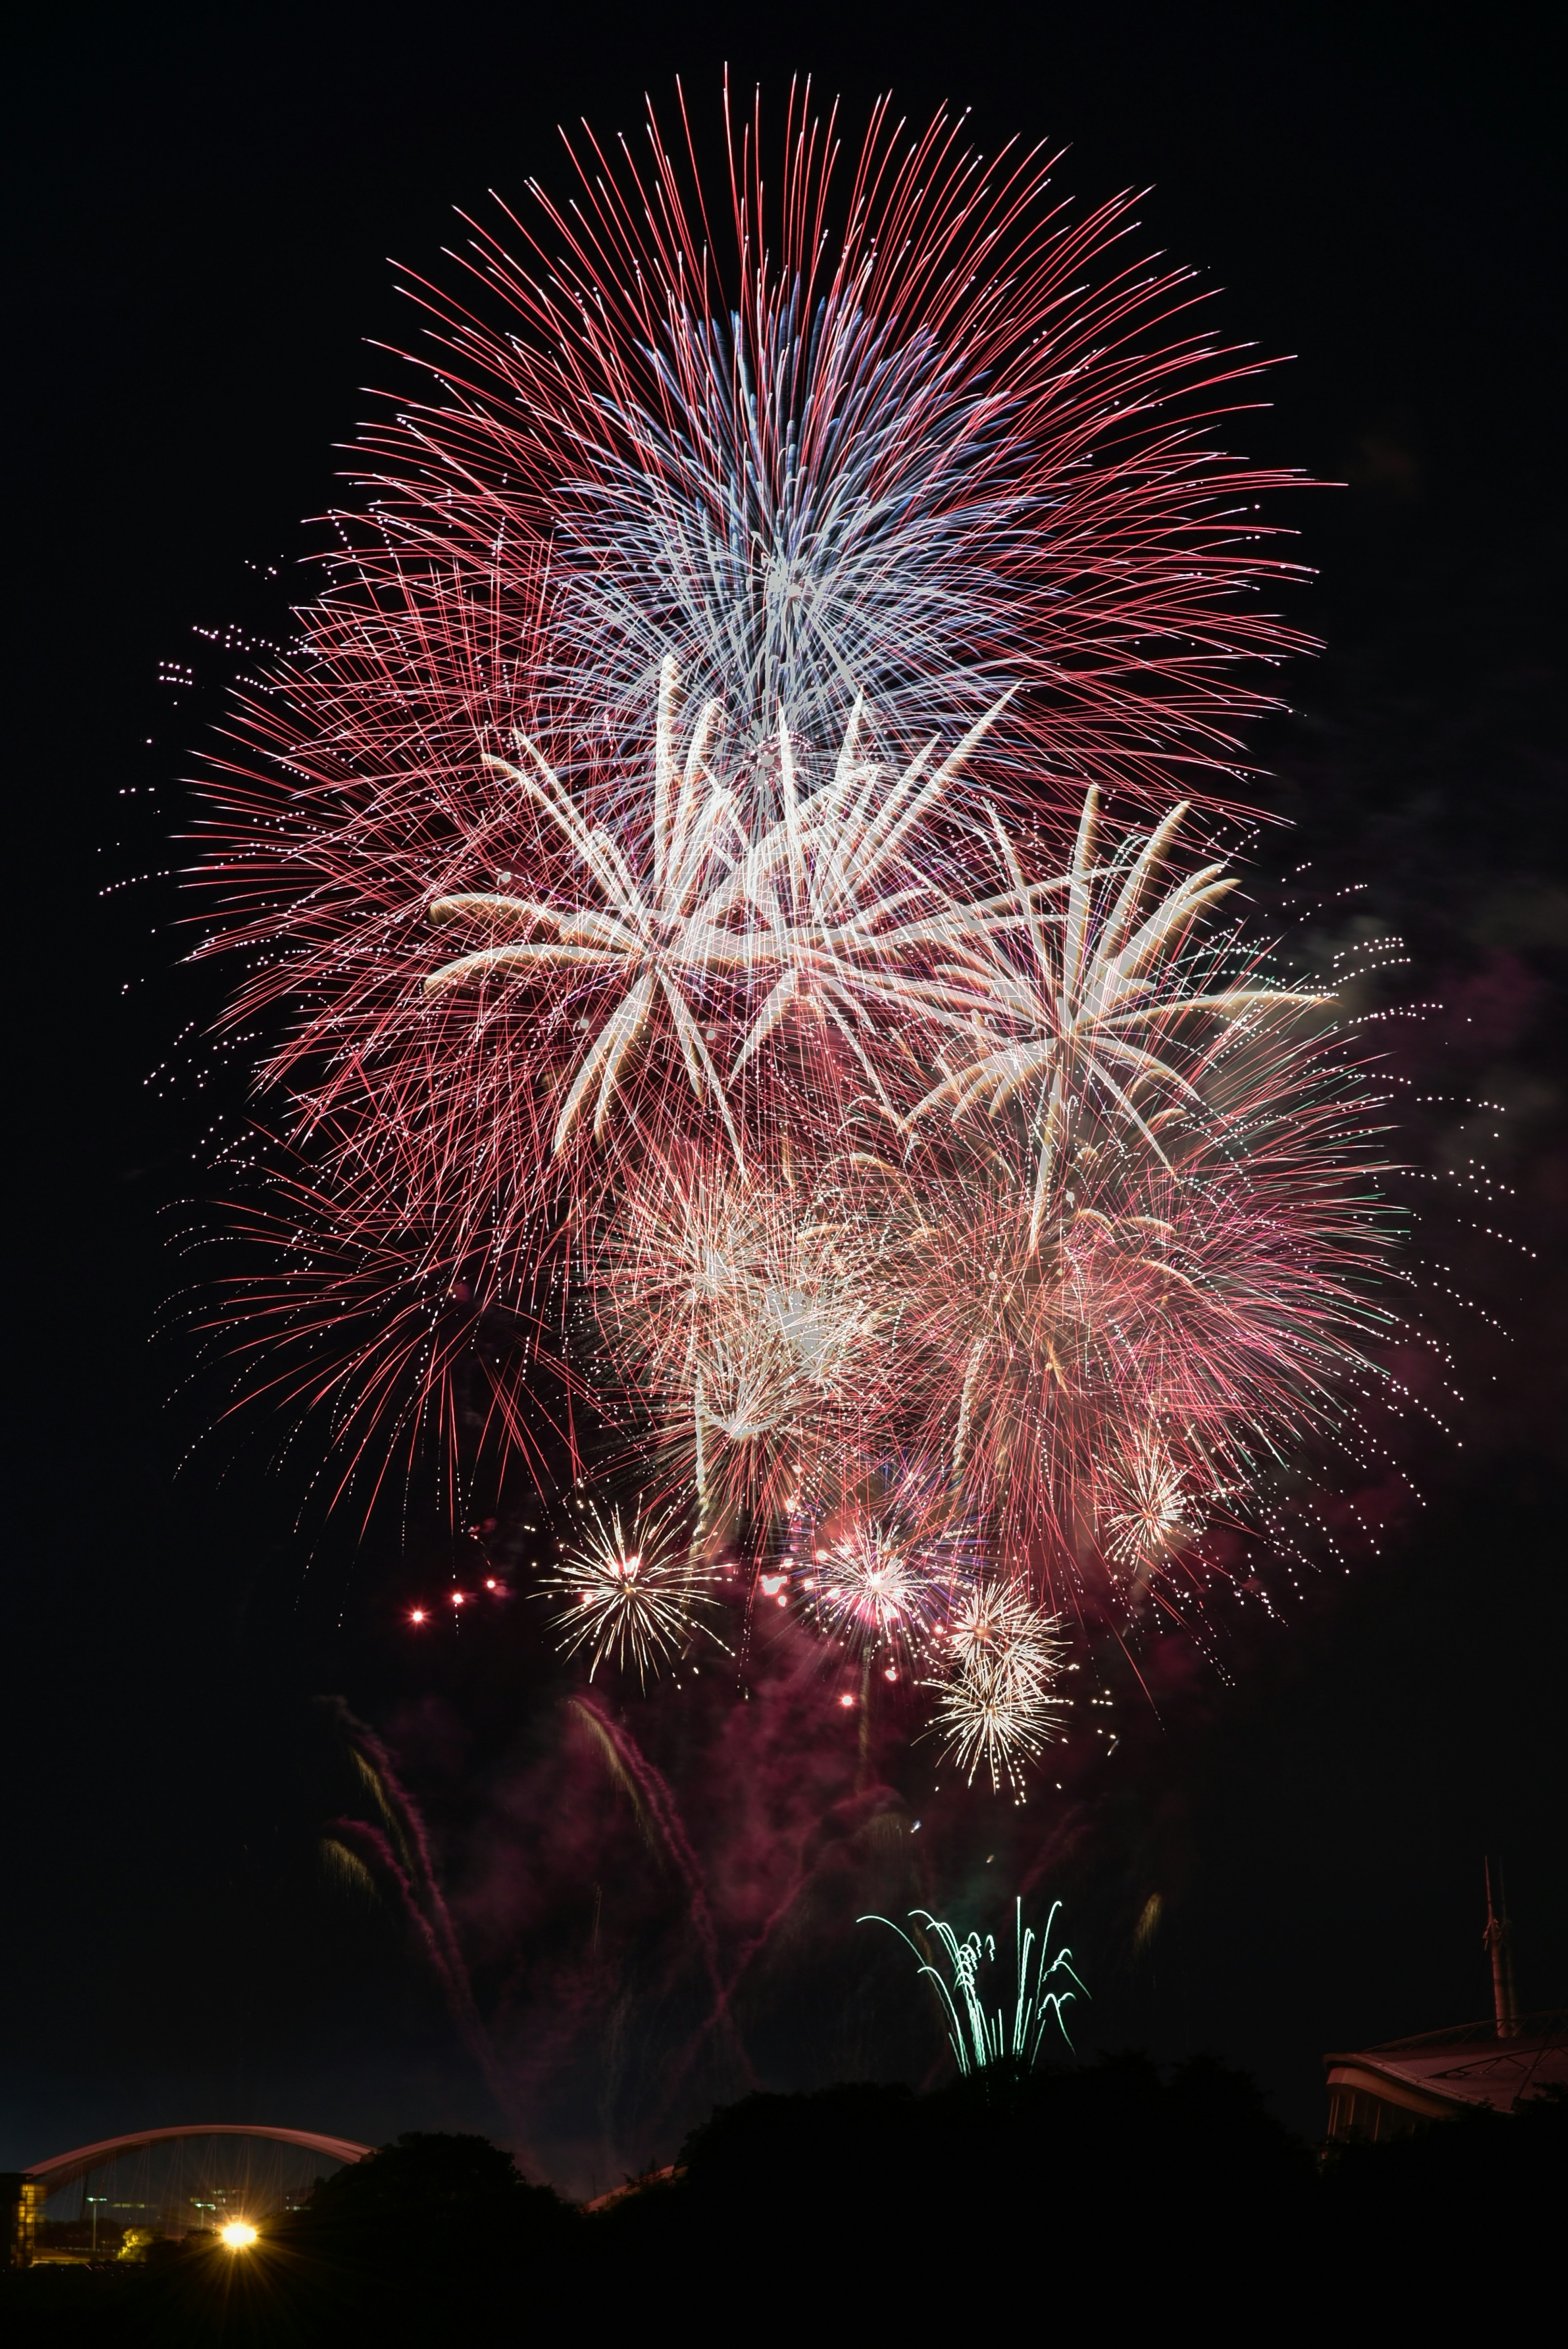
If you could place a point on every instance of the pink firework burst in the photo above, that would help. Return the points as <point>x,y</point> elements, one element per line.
<point>706,983</point>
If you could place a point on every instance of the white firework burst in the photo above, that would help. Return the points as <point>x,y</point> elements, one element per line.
<point>762,901</point>
<point>1093,1002</point>
<point>881,1571</point>
<point>990,1620</point>
<point>750,1317</point>
<point>636,1596</point>
<point>998,1707</point>
<point>874,1586</point>
<point>1160,1516</point>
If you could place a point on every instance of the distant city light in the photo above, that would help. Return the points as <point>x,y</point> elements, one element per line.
<point>417,1615</point>
<point>238,2234</point>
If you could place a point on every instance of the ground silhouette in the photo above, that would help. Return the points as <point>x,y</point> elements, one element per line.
<point>1106,2194</point>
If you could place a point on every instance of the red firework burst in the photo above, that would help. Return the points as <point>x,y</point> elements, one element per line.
<point>661,847</point>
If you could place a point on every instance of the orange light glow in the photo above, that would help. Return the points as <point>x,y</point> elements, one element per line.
<point>238,2234</point>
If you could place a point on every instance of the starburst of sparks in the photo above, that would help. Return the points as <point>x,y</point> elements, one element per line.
<point>1160,1514</point>
<point>732,908</point>
<point>745,1314</point>
<point>997,1706</point>
<point>871,1589</point>
<point>1080,1005</point>
<point>635,1595</point>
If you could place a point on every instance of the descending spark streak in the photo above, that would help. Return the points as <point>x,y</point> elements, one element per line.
<point>429,1923</point>
<point>655,1791</point>
<point>981,2037</point>
<point>401,1850</point>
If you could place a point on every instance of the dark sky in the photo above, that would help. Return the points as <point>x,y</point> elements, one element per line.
<point>203,202</point>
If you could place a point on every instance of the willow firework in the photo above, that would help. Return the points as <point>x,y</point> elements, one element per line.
<point>710,977</point>
<point>982,2036</point>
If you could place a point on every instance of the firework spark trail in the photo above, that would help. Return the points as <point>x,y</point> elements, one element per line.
<point>655,1791</point>
<point>722,2009</point>
<point>1162,1517</point>
<point>611,1752</point>
<point>426,1910</point>
<point>403,1813</point>
<point>420,1887</point>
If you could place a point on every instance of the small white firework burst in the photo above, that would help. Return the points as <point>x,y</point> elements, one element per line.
<point>998,1707</point>
<point>873,1588</point>
<point>989,1620</point>
<point>1160,1515</point>
<point>636,1596</point>
<point>884,1575</point>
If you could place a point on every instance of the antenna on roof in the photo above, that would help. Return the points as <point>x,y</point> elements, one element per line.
<point>1499,1940</point>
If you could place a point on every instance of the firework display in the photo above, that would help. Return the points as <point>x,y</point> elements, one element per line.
<point>636,1596</point>
<point>883,1570</point>
<point>999,1703</point>
<point>980,2036</point>
<point>751,1000</point>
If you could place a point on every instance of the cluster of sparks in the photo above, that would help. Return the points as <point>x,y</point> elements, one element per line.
<point>983,2037</point>
<point>998,1704</point>
<point>633,1595</point>
<point>718,990</point>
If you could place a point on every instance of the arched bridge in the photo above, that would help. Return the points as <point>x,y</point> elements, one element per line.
<point>65,2167</point>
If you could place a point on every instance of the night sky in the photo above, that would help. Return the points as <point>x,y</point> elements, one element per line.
<point>203,208</point>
